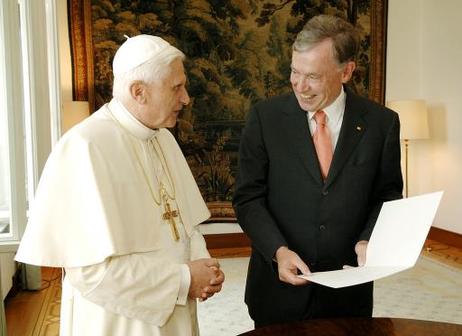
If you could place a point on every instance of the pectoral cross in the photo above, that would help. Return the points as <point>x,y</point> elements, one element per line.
<point>169,214</point>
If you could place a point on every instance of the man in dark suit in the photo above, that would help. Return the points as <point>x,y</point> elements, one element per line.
<point>315,167</point>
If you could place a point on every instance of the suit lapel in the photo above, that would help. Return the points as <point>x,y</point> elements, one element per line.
<point>299,137</point>
<point>353,128</point>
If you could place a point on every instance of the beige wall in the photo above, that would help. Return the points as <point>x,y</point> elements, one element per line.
<point>424,60</point>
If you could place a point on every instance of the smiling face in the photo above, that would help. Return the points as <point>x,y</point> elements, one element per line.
<point>316,76</point>
<point>163,100</point>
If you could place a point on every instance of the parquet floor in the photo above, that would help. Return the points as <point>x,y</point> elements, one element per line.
<point>447,254</point>
<point>37,313</point>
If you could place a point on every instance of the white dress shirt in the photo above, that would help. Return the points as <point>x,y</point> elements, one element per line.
<point>334,113</point>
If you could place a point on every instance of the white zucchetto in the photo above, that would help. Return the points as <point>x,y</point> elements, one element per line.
<point>138,50</point>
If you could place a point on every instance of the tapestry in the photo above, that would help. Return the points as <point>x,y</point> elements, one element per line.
<point>238,52</point>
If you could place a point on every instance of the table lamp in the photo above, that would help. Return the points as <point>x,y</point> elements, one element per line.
<point>413,117</point>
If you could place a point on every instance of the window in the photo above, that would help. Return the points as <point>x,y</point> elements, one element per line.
<point>12,188</point>
<point>5,198</point>
<point>27,120</point>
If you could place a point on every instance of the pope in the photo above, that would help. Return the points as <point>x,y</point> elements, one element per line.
<point>117,208</point>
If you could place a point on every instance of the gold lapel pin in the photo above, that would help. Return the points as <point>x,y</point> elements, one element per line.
<point>358,128</point>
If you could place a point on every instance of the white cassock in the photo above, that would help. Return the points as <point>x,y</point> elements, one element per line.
<point>97,213</point>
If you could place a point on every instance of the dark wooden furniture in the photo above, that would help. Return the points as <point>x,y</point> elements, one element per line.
<point>360,327</point>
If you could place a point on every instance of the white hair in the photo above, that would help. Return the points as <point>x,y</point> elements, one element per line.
<point>149,72</point>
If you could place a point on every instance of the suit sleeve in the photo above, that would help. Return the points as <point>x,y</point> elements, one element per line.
<point>139,286</point>
<point>250,198</point>
<point>389,181</point>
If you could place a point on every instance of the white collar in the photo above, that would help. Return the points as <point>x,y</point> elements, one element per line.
<point>129,122</point>
<point>335,110</point>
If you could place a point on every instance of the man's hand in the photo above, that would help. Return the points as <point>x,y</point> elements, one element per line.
<point>289,263</point>
<point>206,278</point>
<point>360,249</point>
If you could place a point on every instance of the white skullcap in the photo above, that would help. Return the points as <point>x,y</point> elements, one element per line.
<point>138,50</point>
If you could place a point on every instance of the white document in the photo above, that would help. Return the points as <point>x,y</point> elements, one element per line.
<point>395,243</point>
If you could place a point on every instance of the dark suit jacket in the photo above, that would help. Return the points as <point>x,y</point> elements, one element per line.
<point>280,199</point>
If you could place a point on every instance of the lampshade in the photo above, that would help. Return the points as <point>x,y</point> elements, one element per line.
<point>413,117</point>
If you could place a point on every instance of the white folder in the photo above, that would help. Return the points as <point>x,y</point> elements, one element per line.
<point>395,243</point>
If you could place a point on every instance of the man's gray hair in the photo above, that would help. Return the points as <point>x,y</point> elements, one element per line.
<point>154,70</point>
<point>344,36</point>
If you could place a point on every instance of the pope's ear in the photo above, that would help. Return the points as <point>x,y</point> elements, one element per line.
<point>138,92</point>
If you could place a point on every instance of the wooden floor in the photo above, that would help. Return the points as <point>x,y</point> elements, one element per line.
<point>35,312</point>
<point>26,311</point>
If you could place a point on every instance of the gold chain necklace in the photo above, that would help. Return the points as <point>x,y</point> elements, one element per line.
<point>165,168</point>
<point>164,195</point>
<point>163,162</point>
<point>146,178</point>
<point>169,214</point>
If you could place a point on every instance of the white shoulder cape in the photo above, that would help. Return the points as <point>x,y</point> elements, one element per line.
<point>92,202</point>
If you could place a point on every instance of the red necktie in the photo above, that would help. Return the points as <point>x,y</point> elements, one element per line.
<point>322,142</point>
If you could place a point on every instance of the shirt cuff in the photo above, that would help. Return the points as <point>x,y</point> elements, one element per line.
<point>184,285</point>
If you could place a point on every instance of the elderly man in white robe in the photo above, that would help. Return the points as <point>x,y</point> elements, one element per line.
<point>117,207</point>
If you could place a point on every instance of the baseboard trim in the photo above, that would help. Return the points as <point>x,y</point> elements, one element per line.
<point>445,237</point>
<point>238,244</point>
<point>227,245</point>
<point>227,240</point>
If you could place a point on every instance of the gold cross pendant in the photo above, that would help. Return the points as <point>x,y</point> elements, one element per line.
<point>170,215</point>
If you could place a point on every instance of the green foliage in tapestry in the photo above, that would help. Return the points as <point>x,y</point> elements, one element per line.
<point>238,51</point>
